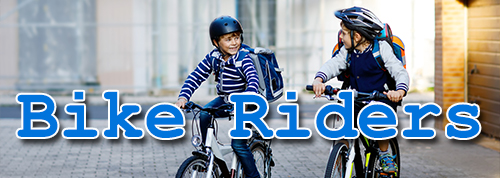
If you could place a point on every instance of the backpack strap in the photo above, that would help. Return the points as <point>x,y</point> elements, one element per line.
<point>348,59</point>
<point>347,80</point>
<point>215,68</point>
<point>253,53</point>
<point>377,56</point>
<point>239,60</point>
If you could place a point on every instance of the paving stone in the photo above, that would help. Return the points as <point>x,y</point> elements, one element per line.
<point>59,157</point>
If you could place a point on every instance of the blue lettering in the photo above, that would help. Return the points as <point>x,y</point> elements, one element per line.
<point>292,111</point>
<point>345,110</point>
<point>119,119</point>
<point>165,115</point>
<point>418,112</point>
<point>463,114</point>
<point>79,110</point>
<point>256,117</point>
<point>379,115</point>
<point>28,116</point>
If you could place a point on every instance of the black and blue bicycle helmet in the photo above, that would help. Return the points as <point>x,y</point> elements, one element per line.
<point>361,20</point>
<point>223,25</point>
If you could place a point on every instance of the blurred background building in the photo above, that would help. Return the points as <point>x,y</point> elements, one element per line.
<point>148,47</point>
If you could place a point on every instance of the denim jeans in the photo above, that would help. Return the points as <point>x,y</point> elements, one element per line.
<point>239,146</point>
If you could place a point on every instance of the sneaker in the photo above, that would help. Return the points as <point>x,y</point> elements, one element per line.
<point>387,163</point>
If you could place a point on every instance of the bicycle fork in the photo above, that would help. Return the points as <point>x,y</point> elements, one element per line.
<point>234,165</point>
<point>210,153</point>
<point>350,159</point>
<point>211,156</point>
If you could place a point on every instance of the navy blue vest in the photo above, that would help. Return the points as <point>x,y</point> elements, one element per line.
<point>366,75</point>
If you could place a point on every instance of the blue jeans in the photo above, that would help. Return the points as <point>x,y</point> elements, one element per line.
<point>239,146</point>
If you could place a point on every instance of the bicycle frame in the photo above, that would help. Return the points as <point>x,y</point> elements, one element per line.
<point>369,166</point>
<point>352,153</point>
<point>212,152</point>
<point>369,145</point>
<point>350,158</point>
<point>219,151</point>
<point>337,122</point>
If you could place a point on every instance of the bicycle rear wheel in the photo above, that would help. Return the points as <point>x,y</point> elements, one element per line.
<point>196,166</point>
<point>337,161</point>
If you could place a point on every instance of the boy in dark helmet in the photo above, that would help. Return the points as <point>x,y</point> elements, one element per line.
<point>359,29</point>
<point>226,36</point>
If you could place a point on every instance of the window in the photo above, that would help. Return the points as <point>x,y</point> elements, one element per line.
<point>258,18</point>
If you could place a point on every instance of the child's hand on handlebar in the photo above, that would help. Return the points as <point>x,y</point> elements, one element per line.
<point>318,86</point>
<point>395,96</point>
<point>181,102</point>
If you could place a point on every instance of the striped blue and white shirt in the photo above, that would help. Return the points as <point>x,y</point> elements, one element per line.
<point>230,78</point>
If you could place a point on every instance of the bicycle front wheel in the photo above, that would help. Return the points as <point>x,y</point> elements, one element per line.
<point>394,145</point>
<point>196,166</point>
<point>259,156</point>
<point>374,164</point>
<point>337,161</point>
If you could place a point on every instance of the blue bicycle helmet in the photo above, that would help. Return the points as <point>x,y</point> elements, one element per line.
<point>223,25</point>
<point>361,20</point>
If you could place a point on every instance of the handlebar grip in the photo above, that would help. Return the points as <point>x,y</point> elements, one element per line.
<point>329,90</point>
<point>192,105</point>
<point>380,96</point>
<point>189,105</point>
<point>226,107</point>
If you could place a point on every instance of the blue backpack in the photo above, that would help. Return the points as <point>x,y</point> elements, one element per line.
<point>265,63</point>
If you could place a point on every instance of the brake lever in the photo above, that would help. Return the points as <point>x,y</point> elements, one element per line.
<point>328,97</point>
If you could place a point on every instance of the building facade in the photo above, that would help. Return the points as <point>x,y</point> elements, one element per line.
<point>468,59</point>
<point>150,46</point>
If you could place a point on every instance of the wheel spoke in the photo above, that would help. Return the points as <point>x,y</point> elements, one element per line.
<point>195,167</point>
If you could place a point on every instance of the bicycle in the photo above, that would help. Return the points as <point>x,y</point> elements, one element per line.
<point>208,159</point>
<point>342,160</point>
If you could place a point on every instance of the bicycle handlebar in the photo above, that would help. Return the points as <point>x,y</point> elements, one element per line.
<point>359,96</point>
<point>191,105</point>
<point>329,90</point>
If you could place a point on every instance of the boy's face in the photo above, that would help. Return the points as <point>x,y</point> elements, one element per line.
<point>230,43</point>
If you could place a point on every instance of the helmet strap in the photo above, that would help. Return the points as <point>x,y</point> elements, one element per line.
<point>350,50</point>
<point>222,52</point>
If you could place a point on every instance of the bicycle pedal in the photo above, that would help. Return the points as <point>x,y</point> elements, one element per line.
<point>386,175</point>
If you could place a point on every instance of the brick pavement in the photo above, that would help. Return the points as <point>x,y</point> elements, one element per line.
<point>148,157</point>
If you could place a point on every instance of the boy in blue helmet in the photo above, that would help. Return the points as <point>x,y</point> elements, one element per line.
<point>359,29</point>
<point>226,36</point>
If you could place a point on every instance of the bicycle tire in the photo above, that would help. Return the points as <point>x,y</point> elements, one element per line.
<point>337,161</point>
<point>261,161</point>
<point>375,159</point>
<point>393,143</point>
<point>198,165</point>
